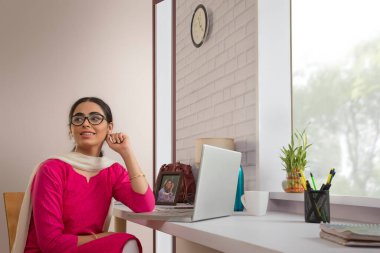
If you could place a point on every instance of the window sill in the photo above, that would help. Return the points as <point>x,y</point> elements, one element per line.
<point>334,199</point>
<point>360,209</point>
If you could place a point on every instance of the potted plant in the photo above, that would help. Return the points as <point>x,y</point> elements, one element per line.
<point>294,161</point>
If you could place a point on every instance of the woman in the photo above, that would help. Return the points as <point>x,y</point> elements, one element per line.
<point>165,194</point>
<point>71,194</point>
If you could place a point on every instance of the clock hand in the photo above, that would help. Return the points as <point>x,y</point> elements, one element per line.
<point>200,26</point>
<point>199,22</point>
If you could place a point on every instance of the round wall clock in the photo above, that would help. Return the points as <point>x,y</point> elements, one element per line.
<point>199,25</point>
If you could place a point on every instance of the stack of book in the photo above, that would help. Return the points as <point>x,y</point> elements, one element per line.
<point>349,234</point>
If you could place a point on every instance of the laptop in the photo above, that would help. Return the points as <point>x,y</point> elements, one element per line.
<point>215,193</point>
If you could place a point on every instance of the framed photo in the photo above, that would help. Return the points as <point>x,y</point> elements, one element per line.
<point>168,188</point>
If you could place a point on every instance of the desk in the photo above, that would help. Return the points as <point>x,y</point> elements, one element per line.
<point>275,232</point>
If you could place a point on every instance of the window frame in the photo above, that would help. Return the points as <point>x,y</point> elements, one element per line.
<point>278,56</point>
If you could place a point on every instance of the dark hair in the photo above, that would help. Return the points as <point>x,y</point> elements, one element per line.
<point>106,109</point>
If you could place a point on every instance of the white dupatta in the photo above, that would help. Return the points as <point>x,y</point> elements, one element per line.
<point>76,160</point>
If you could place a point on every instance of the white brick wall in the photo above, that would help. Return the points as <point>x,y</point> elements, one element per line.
<point>216,83</point>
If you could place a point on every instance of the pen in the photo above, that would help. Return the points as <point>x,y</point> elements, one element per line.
<point>332,176</point>
<point>312,179</point>
<point>302,180</point>
<point>329,176</point>
<point>308,187</point>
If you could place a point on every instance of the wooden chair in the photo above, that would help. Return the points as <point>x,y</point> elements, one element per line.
<point>12,203</point>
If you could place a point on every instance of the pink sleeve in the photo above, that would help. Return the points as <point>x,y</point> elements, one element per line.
<point>47,192</point>
<point>123,192</point>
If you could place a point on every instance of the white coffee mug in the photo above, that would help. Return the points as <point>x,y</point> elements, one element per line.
<point>255,202</point>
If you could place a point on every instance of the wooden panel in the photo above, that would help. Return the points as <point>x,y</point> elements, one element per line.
<point>157,1</point>
<point>12,203</point>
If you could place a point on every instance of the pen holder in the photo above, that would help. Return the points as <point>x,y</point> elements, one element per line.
<point>317,206</point>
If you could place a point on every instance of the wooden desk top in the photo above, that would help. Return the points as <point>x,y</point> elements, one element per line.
<point>274,232</point>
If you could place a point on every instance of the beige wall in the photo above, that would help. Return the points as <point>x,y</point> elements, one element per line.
<point>216,85</point>
<point>53,52</point>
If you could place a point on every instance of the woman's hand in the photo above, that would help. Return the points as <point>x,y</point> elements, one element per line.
<point>118,142</point>
<point>82,239</point>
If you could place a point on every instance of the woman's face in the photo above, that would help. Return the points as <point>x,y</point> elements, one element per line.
<point>168,185</point>
<point>89,137</point>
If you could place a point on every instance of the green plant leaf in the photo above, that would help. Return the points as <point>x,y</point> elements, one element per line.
<point>294,154</point>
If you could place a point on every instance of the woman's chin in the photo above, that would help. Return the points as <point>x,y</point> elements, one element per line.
<point>89,145</point>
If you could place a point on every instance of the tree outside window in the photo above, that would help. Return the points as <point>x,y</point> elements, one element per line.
<point>336,90</point>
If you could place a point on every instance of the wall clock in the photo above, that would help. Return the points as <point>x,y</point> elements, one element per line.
<point>199,25</point>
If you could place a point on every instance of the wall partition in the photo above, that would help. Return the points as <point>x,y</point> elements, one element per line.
<point>163,106</point>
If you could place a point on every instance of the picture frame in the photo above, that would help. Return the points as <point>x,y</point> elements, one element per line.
<point>167,188</point>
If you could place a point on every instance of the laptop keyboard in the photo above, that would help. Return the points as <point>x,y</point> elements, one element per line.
<point>186,207</point>
<point>174,212</point>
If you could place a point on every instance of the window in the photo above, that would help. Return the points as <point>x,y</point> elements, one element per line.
<point>336,90</point>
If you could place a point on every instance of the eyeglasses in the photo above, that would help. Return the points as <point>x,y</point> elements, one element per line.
<point>94,119</point>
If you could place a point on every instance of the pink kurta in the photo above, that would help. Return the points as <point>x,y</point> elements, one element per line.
<point>65,205</point>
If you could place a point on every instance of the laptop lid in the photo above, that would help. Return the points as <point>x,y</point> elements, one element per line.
<point>217,182</point>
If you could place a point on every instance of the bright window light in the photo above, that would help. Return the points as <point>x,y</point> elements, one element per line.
<point>336,90</point>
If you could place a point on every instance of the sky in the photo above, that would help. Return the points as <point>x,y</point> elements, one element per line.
<point>324,31</point>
